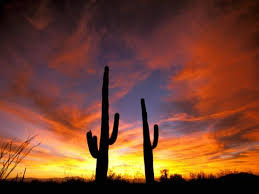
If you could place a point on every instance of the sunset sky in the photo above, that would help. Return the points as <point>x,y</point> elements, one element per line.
<point>194,62</point>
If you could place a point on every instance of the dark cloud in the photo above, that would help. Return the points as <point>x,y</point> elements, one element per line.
<point>232,131</point>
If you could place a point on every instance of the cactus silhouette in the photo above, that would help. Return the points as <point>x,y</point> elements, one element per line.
<point>147,147</point>
<point>102,154</point>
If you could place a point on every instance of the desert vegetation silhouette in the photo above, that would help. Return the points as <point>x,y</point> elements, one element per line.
<point>11,155</point>
<point>147,147</point>
<point>101,154</point>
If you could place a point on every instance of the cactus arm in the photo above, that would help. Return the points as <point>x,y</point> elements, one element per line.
<point>156,135</point>
<point>114,134</point>
<point>92,144</point>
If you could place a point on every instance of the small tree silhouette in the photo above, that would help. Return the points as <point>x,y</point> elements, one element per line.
<point>102,154</point>
<point>11,156</point>
<point>147,147</point>
<point>164,175</point>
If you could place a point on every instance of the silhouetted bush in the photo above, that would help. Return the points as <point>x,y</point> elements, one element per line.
<point>164,175</point>
<point>177,178</point>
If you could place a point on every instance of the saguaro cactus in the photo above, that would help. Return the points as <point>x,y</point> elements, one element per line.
<point>102,154</point>
<point>147,147</point>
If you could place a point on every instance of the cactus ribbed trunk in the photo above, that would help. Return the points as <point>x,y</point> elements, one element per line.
<point>147,147</point>
<point>102,154</point>
<point>102,163</point>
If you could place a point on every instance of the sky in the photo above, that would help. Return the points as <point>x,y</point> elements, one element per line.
<point>194,62</point>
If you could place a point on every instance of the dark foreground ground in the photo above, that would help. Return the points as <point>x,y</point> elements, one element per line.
<point>245,182</point>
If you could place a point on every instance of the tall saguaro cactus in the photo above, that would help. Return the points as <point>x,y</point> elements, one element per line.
<point>147,147</point>
<point>102,154</point>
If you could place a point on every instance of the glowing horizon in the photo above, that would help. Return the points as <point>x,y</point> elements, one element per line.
<point>195,63</point>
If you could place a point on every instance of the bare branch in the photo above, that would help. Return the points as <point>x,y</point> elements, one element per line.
<point>11,156</point>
